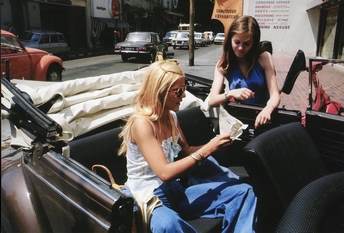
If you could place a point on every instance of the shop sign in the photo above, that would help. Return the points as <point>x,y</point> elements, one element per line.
<point>226,11</point>
<point>106,9</point>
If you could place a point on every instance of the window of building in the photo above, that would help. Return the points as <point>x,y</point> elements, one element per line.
<point>331,32</point>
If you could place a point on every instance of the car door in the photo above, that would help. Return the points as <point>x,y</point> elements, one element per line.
<point>44,190</point>
<point>19,60</point>
<point>72,199</point>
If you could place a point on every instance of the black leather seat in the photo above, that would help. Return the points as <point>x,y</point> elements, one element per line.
<point>280,162</point>
<point>318,207</point>
<point>101,148</point>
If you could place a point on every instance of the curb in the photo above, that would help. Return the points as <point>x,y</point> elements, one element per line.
<point>84,54</point>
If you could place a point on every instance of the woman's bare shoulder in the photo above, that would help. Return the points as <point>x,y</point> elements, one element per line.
<point>265,59</point>
<point>141,122</point>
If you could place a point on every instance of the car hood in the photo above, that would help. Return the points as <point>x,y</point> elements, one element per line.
<point>35,51</point>
<point>182,39</point>
<point>132,44</point>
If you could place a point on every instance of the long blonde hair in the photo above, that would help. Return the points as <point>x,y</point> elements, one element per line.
<point>151,98</point>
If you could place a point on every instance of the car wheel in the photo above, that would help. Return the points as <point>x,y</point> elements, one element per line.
<point>124,57</point>
<point>54,73</point>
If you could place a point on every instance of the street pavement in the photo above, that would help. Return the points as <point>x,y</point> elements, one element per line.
<point>331,77</point>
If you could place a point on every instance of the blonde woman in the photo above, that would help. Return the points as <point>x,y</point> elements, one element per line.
<point>152,139</point>
<point>250,74</point>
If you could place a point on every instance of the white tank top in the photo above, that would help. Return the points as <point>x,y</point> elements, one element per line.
<point>141,179</point>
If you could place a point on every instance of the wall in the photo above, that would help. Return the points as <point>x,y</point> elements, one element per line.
<point>5,14</point>
<point>144,4</point>
<point>288,24</point>
<point>34,15</point>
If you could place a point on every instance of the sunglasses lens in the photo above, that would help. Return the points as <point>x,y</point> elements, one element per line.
<point>180,91</point>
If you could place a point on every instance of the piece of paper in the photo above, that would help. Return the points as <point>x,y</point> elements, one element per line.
<point>230,124</point>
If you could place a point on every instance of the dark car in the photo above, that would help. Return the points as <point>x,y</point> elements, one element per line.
<point>141,45</point>
<point>54,179</point>
<point>21,62</point>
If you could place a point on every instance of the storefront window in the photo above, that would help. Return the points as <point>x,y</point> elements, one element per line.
<point>329,33</point>
<point>332,32</point>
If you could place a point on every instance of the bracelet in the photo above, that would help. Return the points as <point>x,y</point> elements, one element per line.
<point>196,156</point>
<point>231,99</point>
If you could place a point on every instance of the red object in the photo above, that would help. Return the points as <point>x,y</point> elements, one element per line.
<point>322,101</point>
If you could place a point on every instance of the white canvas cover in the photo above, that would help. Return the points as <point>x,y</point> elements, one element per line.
<point>88,103</point>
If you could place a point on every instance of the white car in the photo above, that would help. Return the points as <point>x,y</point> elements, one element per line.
<point>181,40</point>
<point>50,41</point>
<point>169,36</point>
<point>199,39</point>
<point>219,38</point>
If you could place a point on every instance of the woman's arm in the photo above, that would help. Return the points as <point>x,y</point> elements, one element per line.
<point>265,60</point>
<point>143,136</point>
<point>215,98</point>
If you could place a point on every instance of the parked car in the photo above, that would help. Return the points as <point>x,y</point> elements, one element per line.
<point>66,175</point>
<point>141,45</point>
<point>50,41</point>
<point>208,36</point>
<point>19,62</point>
<point>219,38</point>
<point>168,37</point>
<point>199,40</point>
<point>181,40</point>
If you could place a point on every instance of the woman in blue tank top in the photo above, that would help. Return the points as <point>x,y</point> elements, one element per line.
<point>250,74</point>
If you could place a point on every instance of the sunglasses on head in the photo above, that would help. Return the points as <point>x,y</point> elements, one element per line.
<point>179,91</point>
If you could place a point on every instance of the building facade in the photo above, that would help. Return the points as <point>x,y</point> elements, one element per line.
<point>90,23</point>
<point>315,26</point>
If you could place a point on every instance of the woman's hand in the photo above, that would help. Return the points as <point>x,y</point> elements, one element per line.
<point>242,93</point>
<point>263,117</point>
<point>214,144</point>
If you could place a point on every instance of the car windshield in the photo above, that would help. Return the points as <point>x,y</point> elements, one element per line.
<point>198,35</point>
<point>170,34</point>
<point>220,35</point>
<point>144,37</point>
<point>182,35</point>
<point>9,42</point>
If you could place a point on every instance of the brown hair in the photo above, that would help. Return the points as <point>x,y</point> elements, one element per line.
<point>242,24</point>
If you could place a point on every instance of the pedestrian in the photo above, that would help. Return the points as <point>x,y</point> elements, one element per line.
<point>94,38</point>
<point>152,139</point>
<point>250,74</point>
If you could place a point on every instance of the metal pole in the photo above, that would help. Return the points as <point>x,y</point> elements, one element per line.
<point>88,24</point>
<point>191,33</point>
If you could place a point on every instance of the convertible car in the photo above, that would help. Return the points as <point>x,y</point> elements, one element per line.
<point>60,171</point>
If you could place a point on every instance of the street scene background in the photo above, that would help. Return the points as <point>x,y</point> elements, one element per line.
<point>205,59</point>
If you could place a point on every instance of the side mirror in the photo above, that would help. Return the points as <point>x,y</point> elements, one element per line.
<point>298,65</point>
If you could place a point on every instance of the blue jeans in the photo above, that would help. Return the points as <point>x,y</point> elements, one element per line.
<point>216,197</point>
